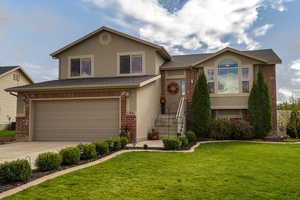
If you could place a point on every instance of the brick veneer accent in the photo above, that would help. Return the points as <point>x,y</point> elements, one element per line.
<point>22,126</point>
<point>269,72</point>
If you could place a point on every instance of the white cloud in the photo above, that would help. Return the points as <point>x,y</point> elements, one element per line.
<point>286,92</point>
<point>279,4</point>
<point>200,24</point>
<point>262,30</point>
<point>40,73</point>
<point>295,64</point>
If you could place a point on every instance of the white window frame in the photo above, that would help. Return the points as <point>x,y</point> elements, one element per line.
<point>81,57</point>
<point>119,54</point>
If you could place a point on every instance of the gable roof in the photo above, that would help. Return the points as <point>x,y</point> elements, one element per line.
<point>183,61</point>
<point>4,70</point>
<point>86,83</point>
<point>159,48</point>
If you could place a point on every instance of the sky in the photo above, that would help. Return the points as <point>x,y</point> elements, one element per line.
<point>32,29</point>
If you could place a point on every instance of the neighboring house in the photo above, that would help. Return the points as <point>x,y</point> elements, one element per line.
<point>110,81</point>
<point>10,76</point>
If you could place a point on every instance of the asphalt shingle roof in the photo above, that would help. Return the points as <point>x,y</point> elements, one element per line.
<point>4,69</point>
<point>93,82</point>
<point>187,60</point>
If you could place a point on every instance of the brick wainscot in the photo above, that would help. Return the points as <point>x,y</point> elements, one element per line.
<point>22,130</point>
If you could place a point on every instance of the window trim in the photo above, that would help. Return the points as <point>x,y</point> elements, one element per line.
<point>81,57</point>
<point>119,54</point>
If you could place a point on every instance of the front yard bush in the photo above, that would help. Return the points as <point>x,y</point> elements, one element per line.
<point>110,143</point>
<point>226,130</point>
<point>220,130</point>
<point>70,155</point>
<point>191,136</point>
<point>124,142</point>
<point>48,161</point>
<point>117,144</point>
<point>184,141</point>
<point>102,148</point>
<point>172,143</point>
<point>18,170</point>
<point>87,151</point>
<point>293,125</point>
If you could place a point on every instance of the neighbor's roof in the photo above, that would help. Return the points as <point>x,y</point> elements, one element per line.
<point>8,69</point>
<point>83,83</point>
<point>160,49</point>
<point>182,61</point>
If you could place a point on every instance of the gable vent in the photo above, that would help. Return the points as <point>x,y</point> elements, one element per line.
<point>104,38</point>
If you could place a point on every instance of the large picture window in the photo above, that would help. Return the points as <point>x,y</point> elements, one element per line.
<point>81,67</point>
<point>131,64</point>
<point>228,78</point>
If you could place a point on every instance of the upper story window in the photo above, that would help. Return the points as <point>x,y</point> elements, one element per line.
<point>81,66</point>
<point>228,78</point>
<point>131,64</point>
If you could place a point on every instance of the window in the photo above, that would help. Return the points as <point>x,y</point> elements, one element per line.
<point>16,77</point>
<point>182,87</point>
<point>210,80</point>
<point>228,78</point>
<point>81,67</point>
<point>131,64</point>
<point>245,80</point>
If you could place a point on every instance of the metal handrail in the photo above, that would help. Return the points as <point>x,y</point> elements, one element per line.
<point>180,107</point>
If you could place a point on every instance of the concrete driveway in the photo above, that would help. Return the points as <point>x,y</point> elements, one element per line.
<point>30,150</point>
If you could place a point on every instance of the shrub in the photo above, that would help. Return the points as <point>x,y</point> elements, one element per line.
<point>87,151</point>
<point>293,125</point>
<point>201,111</point>
<point>110,143</point>
<point>70,155</point>
<point>172,143</point>
<point>184,141</point>
<point>260,108</point>
<point>220,129</point>
<point>124,142</point>
<point>117,144</point>
<point>191,136</point>
<point>18,170</point>
<point>242,130</point>
<point>48,161</point>
<point>102,148</point>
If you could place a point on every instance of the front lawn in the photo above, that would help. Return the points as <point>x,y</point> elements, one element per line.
<point>214,171</point>
<point>5,133</point>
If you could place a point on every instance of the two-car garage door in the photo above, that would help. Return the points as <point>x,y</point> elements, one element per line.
<point>75,120</point>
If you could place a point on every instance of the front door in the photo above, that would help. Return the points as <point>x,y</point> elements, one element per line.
<point>175,89</point>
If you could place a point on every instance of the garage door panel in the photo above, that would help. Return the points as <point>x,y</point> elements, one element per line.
<point>76,120</point>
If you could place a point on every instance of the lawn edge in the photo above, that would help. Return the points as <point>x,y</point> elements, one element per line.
<point>101,160</point>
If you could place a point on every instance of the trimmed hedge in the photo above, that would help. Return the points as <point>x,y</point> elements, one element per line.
<point>191,136</point>
<point>184,141</point>
<point>70,155</point>
<point>117,144</point>
<point>87,151</point>
<point>48,161</point>
<point>110,143</point>
<point>102,148</point>
<point>18,170</point>
<point>226,130</point>
<point>124,142</point>
<point>172,143</point>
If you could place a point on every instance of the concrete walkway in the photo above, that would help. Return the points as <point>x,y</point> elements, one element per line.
<point>30,150</point>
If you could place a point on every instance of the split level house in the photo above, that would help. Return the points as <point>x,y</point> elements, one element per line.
<point>10,76</point>
<point>110,81</point>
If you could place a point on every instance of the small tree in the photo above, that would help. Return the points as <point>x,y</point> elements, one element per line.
<point>293,125</point>
<point>201,111</point>
<point>260,109</point>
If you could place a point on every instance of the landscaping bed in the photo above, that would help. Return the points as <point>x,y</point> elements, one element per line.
<point>7,136</point>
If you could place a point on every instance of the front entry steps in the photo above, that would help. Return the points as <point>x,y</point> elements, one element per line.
<point>166,125</point>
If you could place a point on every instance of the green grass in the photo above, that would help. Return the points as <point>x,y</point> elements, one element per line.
<point>290,140</point>
<point>7,133</point>
<point>214,171</point>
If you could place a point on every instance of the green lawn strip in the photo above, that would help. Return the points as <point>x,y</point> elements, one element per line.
<point>290,140</point>
<point>5,133</point>
<point>224,171</point>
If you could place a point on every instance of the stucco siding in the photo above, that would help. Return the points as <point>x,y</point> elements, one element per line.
<point>106,55</point>
<point>148,108</point>
<point>8,103</point>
